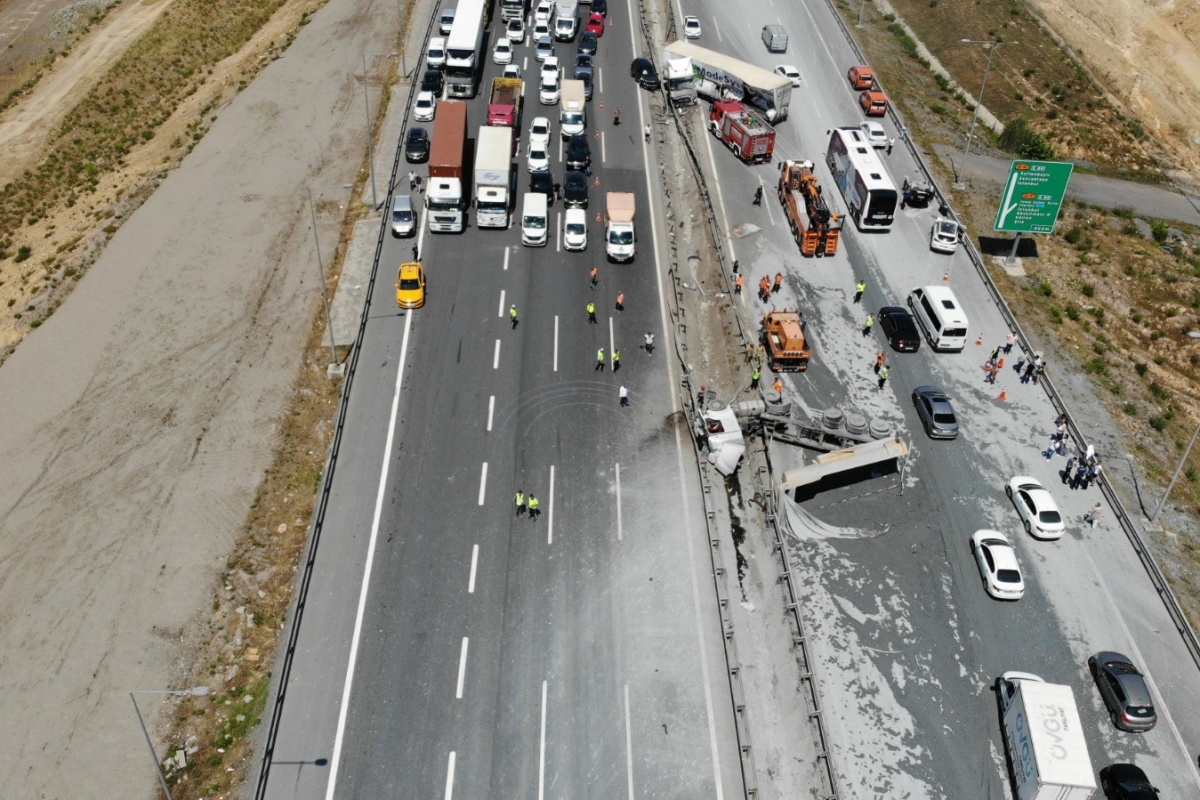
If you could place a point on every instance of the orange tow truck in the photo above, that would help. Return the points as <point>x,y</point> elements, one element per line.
<point>783,339</point>
<point>815,227</point>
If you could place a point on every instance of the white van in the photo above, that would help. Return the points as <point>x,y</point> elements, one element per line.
<point>938,312</point>
<point>775,38</point>
<point>533,220</point>
<point>404,216</point>
<point>575,232</point>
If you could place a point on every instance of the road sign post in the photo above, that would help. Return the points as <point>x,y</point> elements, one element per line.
<point>1033,197</point>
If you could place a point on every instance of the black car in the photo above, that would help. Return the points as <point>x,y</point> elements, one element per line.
<point>936,413</point>
<point>432,82</point>
<point>542,183</point>
<point>587,43</point>
<point>583,67</point>
<point>575,190</point>
<point>579,154</point>
<point>600,7</point>
<point>900,329</point>
<point>416,146</point>
<point>642,71</point>
<point>1126,782</point>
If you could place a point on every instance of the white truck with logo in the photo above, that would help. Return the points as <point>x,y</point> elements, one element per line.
<point>1044,739</point>
<point>572,116</point>
<point>620,239</point>
<point>493,176</point>
<point>716,77</point>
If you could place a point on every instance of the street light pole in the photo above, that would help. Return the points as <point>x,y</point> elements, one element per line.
<point>334,367</point>
<point>1175,477</point>
<point>370,143</point>
<point>195,691</point>
<point>861,6</point>
<point>962,170</point>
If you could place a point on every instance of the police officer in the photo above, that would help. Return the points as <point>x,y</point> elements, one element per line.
<point>520,501</point>
<point>754,376</point>
<point>534,511</point>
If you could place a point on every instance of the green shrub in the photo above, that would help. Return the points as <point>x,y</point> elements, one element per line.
<point>1130,408</point>
<point>1044,289</point>
<point>1072,312</point>
<point>1088,290</point>
<point>1141,369</point>
<point>1159,392</point>
<point>1073,235</point>
<point>1158,423</point>
<point>1023,140</point>
<point>1159,230</point>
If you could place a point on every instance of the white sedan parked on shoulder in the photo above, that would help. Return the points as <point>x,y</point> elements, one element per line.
<point>1036,507</point>
<point>943,236</point>
<point>997,560</point>
<point>874,133</point>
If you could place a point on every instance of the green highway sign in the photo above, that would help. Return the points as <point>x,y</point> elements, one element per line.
<point>1033,196</point>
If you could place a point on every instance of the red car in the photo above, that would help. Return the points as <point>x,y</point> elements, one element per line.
<point>596,23</point>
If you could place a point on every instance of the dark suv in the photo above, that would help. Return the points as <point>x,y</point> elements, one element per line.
<point>416,145</point>
<point>579,154</point>
<point>432,82</point>
<point>542,183</point>
<point>575,190</point>
<point>900,329</point>
<point>642,71</point>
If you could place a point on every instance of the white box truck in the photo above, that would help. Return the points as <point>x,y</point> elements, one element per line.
<point>572,115</point>
<point>620,240</point>
<point>493,176</point>
<point>566,22</point>
<point>1044,739</point>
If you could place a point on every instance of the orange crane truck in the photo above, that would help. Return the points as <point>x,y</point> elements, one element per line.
<point>784,342</point>
<point>815,227</point>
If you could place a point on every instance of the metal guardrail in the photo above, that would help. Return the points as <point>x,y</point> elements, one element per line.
<point>1174,610</point>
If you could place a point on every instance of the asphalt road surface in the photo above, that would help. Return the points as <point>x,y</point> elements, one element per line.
<point>576,655</point>
<point>906,641</point>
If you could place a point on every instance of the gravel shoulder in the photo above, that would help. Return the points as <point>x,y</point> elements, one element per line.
<point>141,416</point>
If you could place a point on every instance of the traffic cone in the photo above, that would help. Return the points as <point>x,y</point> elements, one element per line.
<point>1000,364</point>
<point>1004,395</point>
<point>601,105</point>
<point>979,341</point>
<point>946,277</point>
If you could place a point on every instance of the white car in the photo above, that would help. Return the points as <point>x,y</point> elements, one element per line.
<point>550,68</point>
<point>435,54</point>
<point>540,29</point>
<point>548,91</point>
<point>943,236</point>
<point>539,132</point>
<point>874,133</point>
<point>425,107</point>
<point>789,72</point>
<point>998,566</point>
<point>575,234</point>
<point>542,12</point>
<point>503,52</point>
<point>544,49</point>
<point>511,71</point>
<point>539,158</point>
<point>1036,507</point>
<point>446,20</point>
<point>691,27</point>
<point>516,30</point>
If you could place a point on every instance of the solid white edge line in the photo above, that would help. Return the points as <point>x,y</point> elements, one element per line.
<point>618,477</point>
<point>356,637</point>
<point>483,483</point>
<point>450,777</point>
<point>474,568</point>
<point>714,751</point>
<point>462,669</point>
<point>550,509</point>
<point>500,310</point>
<point>542,750</point>
<point>496,356</point>
<point>491,411</point>
<point>556,342</point>
<point>628,746</point>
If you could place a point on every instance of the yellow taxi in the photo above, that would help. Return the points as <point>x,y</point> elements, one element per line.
<point>410,285</point>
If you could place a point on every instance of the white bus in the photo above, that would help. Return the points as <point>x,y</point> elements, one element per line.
<point>865,184</point>
<point>463,48</point>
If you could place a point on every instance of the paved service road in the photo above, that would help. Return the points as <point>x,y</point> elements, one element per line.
<point>576,655</point>
<point>906,642</point>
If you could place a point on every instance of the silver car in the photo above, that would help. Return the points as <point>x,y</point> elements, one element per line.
<point>935,412</point>
<point>1124,690</point>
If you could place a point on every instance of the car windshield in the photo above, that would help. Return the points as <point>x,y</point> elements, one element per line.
<point>621,237</point>
<point>410,283</point>
<point>402,216</point>
<point>534,222</point>
<point>575,228</point>
<point>943,418</point>
<point>947,229</point>
<point>537,155</point>
<point>572,118</point>
<point>1049,517</point>
<point>1008,576</point>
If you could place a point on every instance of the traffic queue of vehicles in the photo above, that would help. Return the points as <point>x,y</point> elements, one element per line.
<point>1040,723</point>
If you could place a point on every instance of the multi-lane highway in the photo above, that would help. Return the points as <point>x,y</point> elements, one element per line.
<point>452,648</point>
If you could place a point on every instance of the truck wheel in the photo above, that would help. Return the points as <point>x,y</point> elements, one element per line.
<point>716,131</point>
<point>737,151</point>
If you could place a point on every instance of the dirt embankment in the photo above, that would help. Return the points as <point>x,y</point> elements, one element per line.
<point>1147,54</point>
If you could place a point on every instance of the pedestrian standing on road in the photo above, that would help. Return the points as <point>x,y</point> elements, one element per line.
<point>1080,479</point>
<point>778,386</point>
<point>600,360</point>
<point>616,359</point>
<point>879,359</point>
<point>649,345</point>
<point>624,395</point>
<point>591,309</point>
<point>557,191</point>
<point>868,325</point>
<point>620,301</point>
<point>754,376</point>
<point>1020,365</point>
<point>736,265</point>
<point>758,193</point>
<point>1066,473</point>
<point>412,180</point>
<point>594,275</point>
<point>764,288</point>
<point>1063,443</point>
<point>1010,341</point>
<point>1094,514</point>
<point>415,253</point>
<point>617,117</point>
<point>891,144</point>
<point>1029,370</point>
<point>512,315</point>
<point>534,511</point>
<point>737,284</point>
<point>520,502</point>
<point>647,131</point>
<point>702,395</point>
<point>995,356</point>
<point>990,370</point>
<point>778,282</point>
<point>883,376</point>
<point>1039,371</point>
<point>859,288</point>
<point>1093,473</point>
